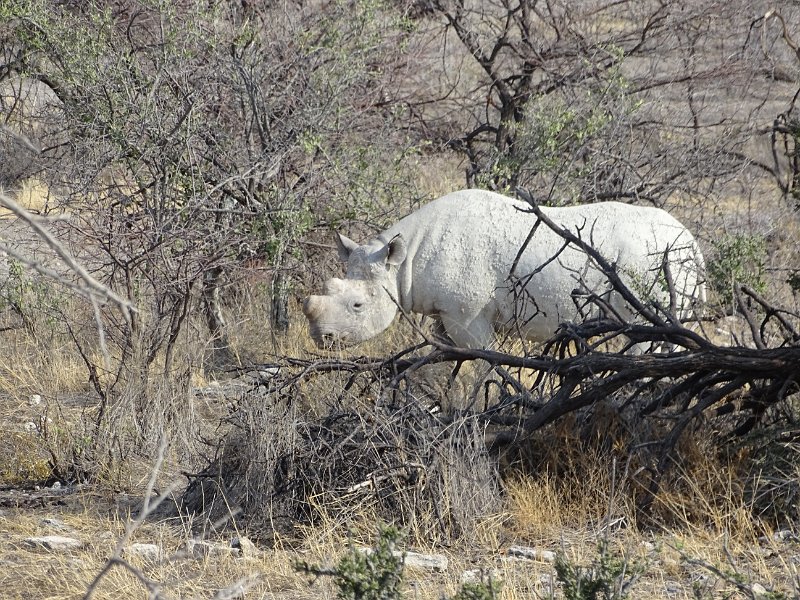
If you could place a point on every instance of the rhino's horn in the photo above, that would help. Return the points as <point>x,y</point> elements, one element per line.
<point>311,307</point>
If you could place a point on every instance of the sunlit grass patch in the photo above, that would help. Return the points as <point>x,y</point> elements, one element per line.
<point>32,195</point>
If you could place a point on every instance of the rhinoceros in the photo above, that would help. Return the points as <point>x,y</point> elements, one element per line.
<point>453,258</point>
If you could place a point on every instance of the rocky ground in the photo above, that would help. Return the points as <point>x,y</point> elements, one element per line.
<point>60,541</point>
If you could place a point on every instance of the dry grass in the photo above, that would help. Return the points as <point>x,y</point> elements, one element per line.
<point>710,525</point>
<point>567,508</point>
<point>544,506</point>
<point>30,366</point>
<point>541,512</point>
<point>39,573</point>
<point>32,195</point>
<point>441,174</point>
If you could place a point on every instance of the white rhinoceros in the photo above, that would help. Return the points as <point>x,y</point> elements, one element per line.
<point>453,258</point>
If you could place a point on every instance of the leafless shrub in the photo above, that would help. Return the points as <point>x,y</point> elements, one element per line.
<point>216,153</point>
<point>395,460</point>
<point>180,142</point>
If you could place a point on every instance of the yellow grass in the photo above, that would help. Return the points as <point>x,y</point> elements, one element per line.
<point>30,368</point>
<point>32,195</point>
<point>40,573</point>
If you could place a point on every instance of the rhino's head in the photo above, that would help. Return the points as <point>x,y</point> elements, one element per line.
<point>362,305</point>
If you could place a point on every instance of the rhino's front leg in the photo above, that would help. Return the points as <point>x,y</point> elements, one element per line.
<point>469,331</point>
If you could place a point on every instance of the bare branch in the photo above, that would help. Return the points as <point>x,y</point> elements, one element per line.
<point>91,287</point>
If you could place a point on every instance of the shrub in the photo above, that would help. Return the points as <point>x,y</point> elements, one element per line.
<point>608,577</point>
<point>397,461</point>
<point>376,574</point>
<point>738,259</point>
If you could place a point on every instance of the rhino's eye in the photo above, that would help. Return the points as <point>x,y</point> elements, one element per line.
<point>358,305</point>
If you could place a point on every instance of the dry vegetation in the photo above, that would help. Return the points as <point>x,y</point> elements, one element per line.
<point>180,166</point>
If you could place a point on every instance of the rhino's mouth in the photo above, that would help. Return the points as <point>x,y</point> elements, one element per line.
<point>329,340</point>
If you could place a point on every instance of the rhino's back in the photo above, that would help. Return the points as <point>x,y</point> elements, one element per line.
<point>462,247</point>
<point>478,225</point>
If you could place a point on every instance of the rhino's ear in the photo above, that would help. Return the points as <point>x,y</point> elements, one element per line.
<point>345,246</point>
<point>396,250</point>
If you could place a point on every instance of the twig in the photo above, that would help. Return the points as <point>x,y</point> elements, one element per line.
<point>772,311</point>
<point>607,268</point>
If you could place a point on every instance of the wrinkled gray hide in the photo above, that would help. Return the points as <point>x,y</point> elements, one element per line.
<point>453,258</point>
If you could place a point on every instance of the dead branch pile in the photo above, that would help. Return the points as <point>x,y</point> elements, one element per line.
<point>393,460</point>
<point>381,447</point>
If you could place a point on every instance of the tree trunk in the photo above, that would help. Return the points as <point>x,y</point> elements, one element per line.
<point>279,313</point>
<point>220,346</point>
